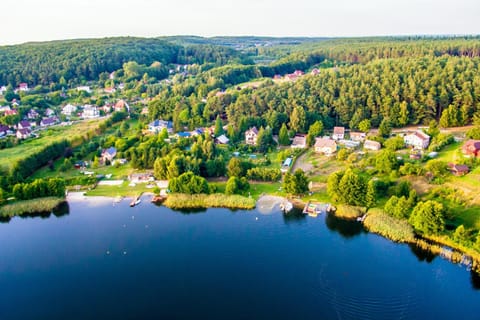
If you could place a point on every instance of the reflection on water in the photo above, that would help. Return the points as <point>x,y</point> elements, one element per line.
<point>475,280</point>
<point>61,210</point>
<point>295,216</point>
<point>422,254</point>
<point>347,228</point>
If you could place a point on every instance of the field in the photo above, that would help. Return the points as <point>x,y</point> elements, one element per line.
<point>11,155</point>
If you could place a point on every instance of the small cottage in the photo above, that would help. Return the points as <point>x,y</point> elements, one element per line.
<point>109,154</point>
<point>458,169</point>
<point>372,145</point>
<point>338,133</point>
<point>325,146</point>
<point>299,141</point>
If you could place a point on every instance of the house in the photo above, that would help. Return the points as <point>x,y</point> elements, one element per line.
<point>141,177</point>
<point>251,136</point>
<point>144,110</point>
<point>84,88</point>
<point>458,169</point>
<point>49,112</point>
<point>3,89</point>
<point>222,139</point>
<point>121,105</point>
<point>90,112</point>
<point>197,132</point>
<point>184,134</point>
<point>338,133</point>
<point>32,114</point>
<point>299,141</point>
<point>358,136</point>
<point>109,154</point>
<point>349,143</point>
<point>372,145</point>
<point>325,146</point>
<point>24,124</point>
<point>23,87</point>
<point>158,125</point>
<point>4,108</point>
<point>471,148</point>
<point>3,130</point>
<point>10,112</point>
<point>69,109</point>
<point>23,133</point>
<point>417,139</point>
<point>46,122</point>
<point>109,90</point>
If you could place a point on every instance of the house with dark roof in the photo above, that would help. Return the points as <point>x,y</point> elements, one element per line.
<point>23,133</point>
<point>109,154</point>
<point>471,148</point>
<point>3,130</point>
<point>338,133</point>
<point>251,136</point>
<point>458,169</point>
<point>24,124</point>
<point>46,122</point>
<point>32,114</point>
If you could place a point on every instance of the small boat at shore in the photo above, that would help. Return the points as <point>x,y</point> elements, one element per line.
<point>135,202</point>
<point>286,206</point>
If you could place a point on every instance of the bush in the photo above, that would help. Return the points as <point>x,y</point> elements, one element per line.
<point>264,174</point>
<point>195,201</point>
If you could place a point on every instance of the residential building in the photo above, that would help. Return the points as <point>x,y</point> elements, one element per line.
<point>458,169</point>
<point>69,109</point>
<point>141,177</point>
<point>3,130</point>
<point>109,154</point>
<point>32,114</point>
<point>24,124</point>
<point>23,133</point>
<point>84,88</point>
<point>90,112</point>
<point>10,112</point>
<point>372,145</point>
<point>222,139</point>
<point>23,87</point>
<point>358,136</point>
<point>121,105</point>
<point>325,146</point>
<point>49,112</point>
<point>299,142</point>
<point>471,148</point>
<point>251,136</point>
<point>46,122</point>
<point>338,133</point>
<point>417,140</point>
<point>158,125</point>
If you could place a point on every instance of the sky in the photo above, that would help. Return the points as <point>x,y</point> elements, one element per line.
<point>40,20</point>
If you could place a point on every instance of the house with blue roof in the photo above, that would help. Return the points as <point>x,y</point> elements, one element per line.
<point>158,125</point>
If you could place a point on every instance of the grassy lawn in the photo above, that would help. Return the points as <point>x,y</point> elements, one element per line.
<point>449,153</point>
<point>11,155</point>
<point>121,190</point>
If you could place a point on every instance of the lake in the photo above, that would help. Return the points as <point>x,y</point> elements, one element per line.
<point>101,261</point>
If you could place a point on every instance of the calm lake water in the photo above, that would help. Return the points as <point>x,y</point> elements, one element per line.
<point>101,261</point>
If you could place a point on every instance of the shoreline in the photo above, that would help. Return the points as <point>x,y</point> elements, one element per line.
<point>267,203</point>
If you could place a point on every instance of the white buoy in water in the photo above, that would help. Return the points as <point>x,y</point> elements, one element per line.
<point>108,252</point>
<point>124,252</point>
<point>256,218</point>
<point>133,217</point>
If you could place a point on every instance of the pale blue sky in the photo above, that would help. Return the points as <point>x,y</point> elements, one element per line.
<point>35,20</point>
